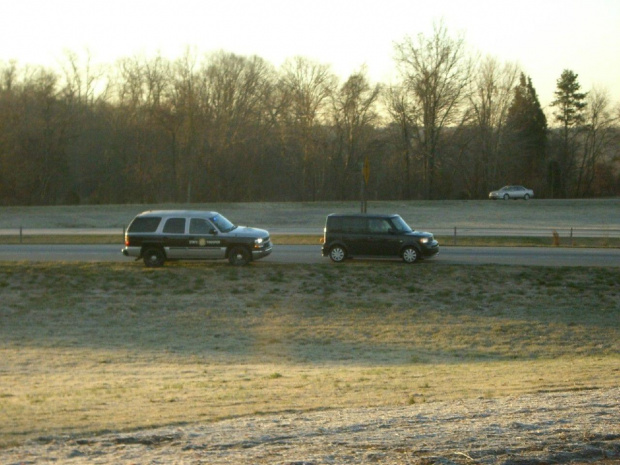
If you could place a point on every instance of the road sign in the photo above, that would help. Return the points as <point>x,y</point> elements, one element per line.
<point>366,170</point>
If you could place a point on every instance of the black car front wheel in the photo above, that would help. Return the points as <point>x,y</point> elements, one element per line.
<point>410,255</point>
<point>239,255</point>
<point>153,257</point>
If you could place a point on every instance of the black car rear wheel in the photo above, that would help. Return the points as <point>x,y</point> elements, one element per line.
<point>337,254</point>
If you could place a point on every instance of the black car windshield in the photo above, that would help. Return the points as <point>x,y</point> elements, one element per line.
<point>400,225</point>
<point>222,223</point>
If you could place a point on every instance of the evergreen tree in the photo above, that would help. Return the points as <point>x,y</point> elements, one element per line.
<point>527,128</point>
<point>570,104</point>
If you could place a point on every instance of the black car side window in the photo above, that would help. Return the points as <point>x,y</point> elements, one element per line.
<point>378,225</point>
<point>354,225</point>
<point>175,226</point>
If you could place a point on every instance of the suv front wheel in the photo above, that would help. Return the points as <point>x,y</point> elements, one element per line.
<point>239,255</point>
<point>337,254</point>
<point>153,257</point>
<point>410,255</point>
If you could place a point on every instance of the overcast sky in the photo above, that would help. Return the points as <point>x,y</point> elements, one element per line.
<point>544,36</point>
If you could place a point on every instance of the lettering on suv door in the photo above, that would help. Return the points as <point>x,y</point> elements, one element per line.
<point>203,239</point>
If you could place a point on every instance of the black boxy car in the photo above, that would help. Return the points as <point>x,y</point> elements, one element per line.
<point>365,234</point>
<point>157,236</point>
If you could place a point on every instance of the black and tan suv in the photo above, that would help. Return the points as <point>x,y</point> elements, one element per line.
<point>356,235</point>
<point>157,236</point>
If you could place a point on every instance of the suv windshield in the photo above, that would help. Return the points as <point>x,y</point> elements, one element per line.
<point>222,223</point>
<point>400,225</point>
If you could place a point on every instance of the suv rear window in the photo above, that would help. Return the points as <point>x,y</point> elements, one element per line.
<point>146,224</point>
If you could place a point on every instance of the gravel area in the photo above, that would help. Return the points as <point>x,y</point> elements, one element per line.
<point>549,428</point>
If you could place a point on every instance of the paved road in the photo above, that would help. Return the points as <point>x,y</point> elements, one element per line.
<point>536,256</point>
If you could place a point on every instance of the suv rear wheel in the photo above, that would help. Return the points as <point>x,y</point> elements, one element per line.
<point>410,255</point>
<point>337,253</point>
<point>153,257</point>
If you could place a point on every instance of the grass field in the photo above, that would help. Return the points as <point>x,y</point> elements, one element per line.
<point>108,347</point>
<point>558,214</point>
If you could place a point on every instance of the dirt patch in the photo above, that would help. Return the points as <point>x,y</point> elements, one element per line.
<point>559,427</point>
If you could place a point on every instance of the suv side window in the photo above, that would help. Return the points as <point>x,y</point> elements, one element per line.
<point>199,226</point>
<point>175,226</point>
<point>147,224</point>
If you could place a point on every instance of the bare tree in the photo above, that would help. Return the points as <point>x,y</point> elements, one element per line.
<point>83,81</point>
<point>598,137</point>
<point>35,137</point>
<point>235,91</point>
<point>354,118</point>
<point>308,86</point>
<point>402,112</point>
<point>490,100</point>
<point>184,101</point>
<point>436,72</point>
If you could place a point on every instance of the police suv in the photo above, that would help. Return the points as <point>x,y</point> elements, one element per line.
<point>157,236</point>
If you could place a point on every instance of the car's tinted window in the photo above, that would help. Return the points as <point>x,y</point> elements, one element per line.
<point>145,224</point>
<point>400,225</point>
<point>199,226</point>
<point>354,224</point>
<point>334,224</point>
<point>175,226</point>
<point>222,223</point>
<point>379,225</point>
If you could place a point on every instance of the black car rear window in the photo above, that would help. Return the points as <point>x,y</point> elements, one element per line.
<point>147,224</point>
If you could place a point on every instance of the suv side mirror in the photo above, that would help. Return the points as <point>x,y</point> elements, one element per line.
<point>213,231</point>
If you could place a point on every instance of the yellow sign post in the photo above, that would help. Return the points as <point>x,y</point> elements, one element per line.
<point>365,176</point>
<point>366,170</point>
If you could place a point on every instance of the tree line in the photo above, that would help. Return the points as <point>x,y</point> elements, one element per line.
<point>224,127</point>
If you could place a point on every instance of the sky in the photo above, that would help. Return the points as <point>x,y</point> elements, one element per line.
<point>544,36</point>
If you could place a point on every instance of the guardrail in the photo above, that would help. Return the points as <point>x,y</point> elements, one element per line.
<point>557,235</point>
<point>22,232</point>
<point>455,232</point>
<point>565,232</point>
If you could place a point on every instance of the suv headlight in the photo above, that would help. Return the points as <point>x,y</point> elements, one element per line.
<point>424,240</point>
<point>258,242</point>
